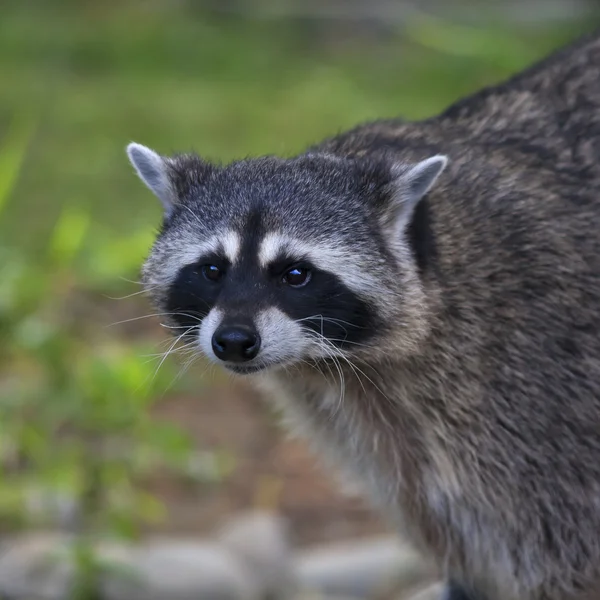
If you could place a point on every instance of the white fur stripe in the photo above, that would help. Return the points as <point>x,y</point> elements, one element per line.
<point>228,242</point>
<point>335,259</point>
<point>191,253</point>
<point>184,254</point>
<point>231,244</point>
<point>270,247</point>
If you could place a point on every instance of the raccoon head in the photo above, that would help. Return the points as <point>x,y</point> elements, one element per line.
<point>269,262</point>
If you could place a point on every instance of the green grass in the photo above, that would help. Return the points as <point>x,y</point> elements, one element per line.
<point>94,76</point>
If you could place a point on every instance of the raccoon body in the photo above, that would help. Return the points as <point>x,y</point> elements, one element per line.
<point>423,301</point>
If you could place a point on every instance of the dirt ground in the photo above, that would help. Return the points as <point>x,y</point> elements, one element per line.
<point>269,470</point>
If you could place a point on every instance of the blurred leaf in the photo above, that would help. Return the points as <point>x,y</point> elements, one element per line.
<point>110,258</point>
<point>68,235</point>
<point>12,153</point>
<point>173,444</point>
<point>12,268</point>
<point>12,497</point>
<point>33,332</point>
<point>123,524</point>
<point>151,510</point>
<point>477,43</point>
<point>33,441</point>
<point>116,475</point>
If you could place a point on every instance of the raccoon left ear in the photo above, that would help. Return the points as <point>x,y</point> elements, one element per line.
<point>153,170</point>
<point>408,186</point>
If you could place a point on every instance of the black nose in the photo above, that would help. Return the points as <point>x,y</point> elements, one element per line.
<point>235,343</point>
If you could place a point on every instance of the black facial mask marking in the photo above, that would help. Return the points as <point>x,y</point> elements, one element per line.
<point>324,306</point>
<point>192,296</point>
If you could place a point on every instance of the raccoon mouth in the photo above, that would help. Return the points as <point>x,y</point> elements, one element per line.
<point>246,370</point>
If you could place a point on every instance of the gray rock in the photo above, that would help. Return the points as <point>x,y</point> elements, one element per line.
<point>317,596</point>
<point>249,558</point>
<point>261,541</point>
<point>180,570</point>
<point>40,566</point>
<point>362,568</point>
<point>36,566</point>
<point>431,592</point>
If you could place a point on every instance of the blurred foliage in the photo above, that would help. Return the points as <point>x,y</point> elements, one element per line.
<point>100,74</point>
<point>76,435</point>
<point>79,81</point>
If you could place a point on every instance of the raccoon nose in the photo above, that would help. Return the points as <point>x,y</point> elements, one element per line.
<point>235,343</point>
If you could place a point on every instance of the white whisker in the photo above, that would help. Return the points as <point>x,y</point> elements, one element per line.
<point>144,291</point>
<point>165,314</point>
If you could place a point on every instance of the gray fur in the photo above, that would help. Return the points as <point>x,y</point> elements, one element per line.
<point>472,415</point>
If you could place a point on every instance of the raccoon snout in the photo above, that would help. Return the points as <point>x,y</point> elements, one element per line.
<point>235,343</point>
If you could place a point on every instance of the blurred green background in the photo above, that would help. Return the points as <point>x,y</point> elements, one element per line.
<point>82,430</point>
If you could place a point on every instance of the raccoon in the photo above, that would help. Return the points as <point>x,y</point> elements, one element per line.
<point>422,300</point>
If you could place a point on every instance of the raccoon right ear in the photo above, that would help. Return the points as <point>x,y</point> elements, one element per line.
<point>408,186</point>
<point>153,170</point>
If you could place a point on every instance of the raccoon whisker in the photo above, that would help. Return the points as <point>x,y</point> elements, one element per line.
<point>191,360</point>
<point>153,357</point>
<point>190,316</point>
<point>329,319</point>
<point>342,383</point>
<point>176,326</point>
<point>188,344</point>
<point>308,363</point>
<point>320,340</point>
<point>159,345</point>
<point>345,341</point>
<point>357,373</point>
<point>145,291</point>
<point>338,366</point>
<point>357,370</point>
<point>327,349</point>
<point>167,353</point>
<point>296,366</point>
<point>286,368</point>
<point>334,320</point>
<point>387,398</point>
<point>161,354</point>
<point>323,319</point>
<point>332,350</point>
<point>133,281</point>
<point>165,314</point>
<point>202,300</point>
<point>165,342</point>
<point>331,373</point>
<point>317,340</point>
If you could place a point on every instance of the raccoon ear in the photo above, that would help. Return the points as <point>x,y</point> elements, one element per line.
<point>409,184</point>
<point>153,170</point>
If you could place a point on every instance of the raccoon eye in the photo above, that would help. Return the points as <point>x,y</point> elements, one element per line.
<point>212,272</point>
<point>297,277</point>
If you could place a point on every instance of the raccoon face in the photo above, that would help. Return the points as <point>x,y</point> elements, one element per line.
<point>270,262</point>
